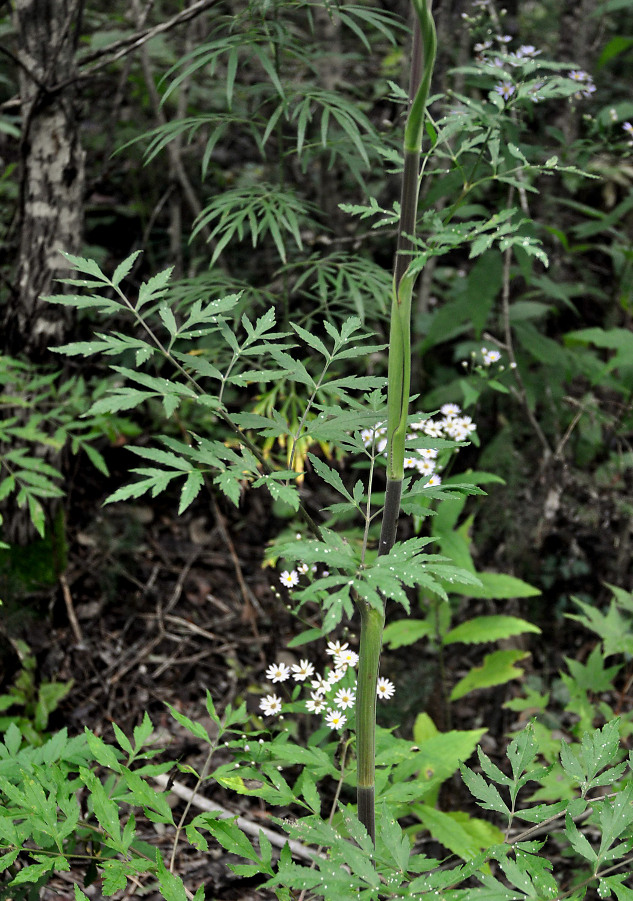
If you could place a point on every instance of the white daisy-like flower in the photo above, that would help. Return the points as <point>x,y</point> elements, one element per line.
<point>345,698</point>
<point>367,437</point>
<point>628,128</point>
<point>335,676</point>
<point>490,356</point>
<point>270,705</point>
<point>450,410</point>
<point>320,685</point>
<point>434,481</point>
<point>278,672</point>
<point>466,423</point>
<point>335,719</point>
<point>303,568</point>
<point>504,38</point>
<point>433,429</point>
<point>451,426</point>
<point>345,658</point>
<point>381,445</point>
<point>335,647</point>
<point>385,689</point>
<point>426,467</point>
<point>289,579</point>
<point>302,670</point>
<point>484,45</point>
<point>410,463</point>
<point>316,703</point>
<point>579,75</point>
<point>429,453</point>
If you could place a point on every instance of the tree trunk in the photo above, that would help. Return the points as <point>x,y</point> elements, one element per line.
<point>51,204</point>
<point>52,171</point>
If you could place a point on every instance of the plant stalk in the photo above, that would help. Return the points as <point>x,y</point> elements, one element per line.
<point>399,378</point>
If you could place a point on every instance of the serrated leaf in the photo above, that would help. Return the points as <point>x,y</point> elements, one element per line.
<point>331,476</point>
<point>487,795</point>
<point>124,267</point>
<point>578,841</point>
<point>171,886</point>
<point>195,728</point>
<point>190,490</point>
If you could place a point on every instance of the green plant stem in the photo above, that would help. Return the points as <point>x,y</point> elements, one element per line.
<point>371,626</point>
<point>399,377</point>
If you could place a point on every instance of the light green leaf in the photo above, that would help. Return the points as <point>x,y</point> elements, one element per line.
<point>463,835</point>
<point>498,586</point>
<point>405,632</point>
<point>481,629</point>
<point>497,668</point>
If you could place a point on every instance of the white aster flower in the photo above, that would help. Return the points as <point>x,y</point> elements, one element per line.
<point>335,719</point>
<point>434,481</point>
<point>345,698</point>
<point>450,410</point>
<point>504,38</point>
<point>490,356</point>
<point>335,676</point>
<point>578,75</point>
<point>278,672</point>
<point>303,569</point>
<point>426,467</point>
<point>270,705</point>
<point>429,453</point>
<point>345,658</point>
<point>320,685</point>
<point>466,423</point>
<point>289,579</point>
<point>335,647</point>
<point>410,463</point>
<point>367,437</point>
<point>628,128</point>
<point>316,703</point>
<point>385,689</point>
<point>432,429</point>
<point>302,670</point>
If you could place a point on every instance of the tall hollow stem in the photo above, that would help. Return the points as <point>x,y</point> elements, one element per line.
<point>399,377</point>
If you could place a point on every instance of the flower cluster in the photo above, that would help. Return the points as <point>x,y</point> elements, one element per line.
<point>452,424</point>
<point>324,699</point>
<point>585,82</point>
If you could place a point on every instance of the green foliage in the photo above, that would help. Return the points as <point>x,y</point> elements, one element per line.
<point>245,404</point>
<point>43,414</point>
<point>35,701</point>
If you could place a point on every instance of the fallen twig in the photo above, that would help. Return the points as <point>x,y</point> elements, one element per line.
<point>250,828</point>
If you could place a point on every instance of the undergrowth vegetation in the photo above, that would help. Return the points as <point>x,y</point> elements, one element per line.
<point>375,409</point>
